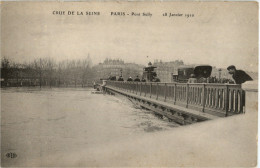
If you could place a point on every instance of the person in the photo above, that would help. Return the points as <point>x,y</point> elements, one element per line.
<point>113,78</point>
<point>202,80</point>
<point>192,79</point>
<point>102,87</point>
<point>137,79</point>
<point>129,79</point>
<point>120,78</point>
<point>156,80</point>
<point>239,76</point>
<point>94,85</point>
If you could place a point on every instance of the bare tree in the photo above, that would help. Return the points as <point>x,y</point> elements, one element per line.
<point>40,67</point>
<point>50,65</point>
<point>45,71</point>
<point>5,70</point>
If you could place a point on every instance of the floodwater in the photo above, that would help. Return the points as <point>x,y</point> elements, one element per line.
<point>40,123</point>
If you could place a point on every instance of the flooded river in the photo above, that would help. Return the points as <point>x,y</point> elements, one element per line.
<point>39,123</point>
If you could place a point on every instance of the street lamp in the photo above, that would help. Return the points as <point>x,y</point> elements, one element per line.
<point>219,73</point>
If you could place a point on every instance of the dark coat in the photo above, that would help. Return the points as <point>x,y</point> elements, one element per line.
<point>137,80</point>
<point>241,77</point>
<point>120,79</point>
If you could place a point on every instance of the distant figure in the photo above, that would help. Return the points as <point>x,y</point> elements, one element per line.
<point>156,80</point>
<point>213,79</point>
<point>102,87</point>
<point>202,80</point>
<point>113,78</point>
<point>120,78</point>
<point>192,79</point>
<point>239,76</point>
<point>143,80</point>
<point>137,79</point>
<point>94,85</point>
<point>129,79</point>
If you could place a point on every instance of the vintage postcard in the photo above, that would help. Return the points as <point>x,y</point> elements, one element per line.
<point>120,84</point>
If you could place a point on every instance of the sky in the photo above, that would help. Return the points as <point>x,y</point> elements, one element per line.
<point>220,33</point>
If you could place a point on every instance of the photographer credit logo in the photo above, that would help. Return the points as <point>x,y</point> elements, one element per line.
<point>11,155</point>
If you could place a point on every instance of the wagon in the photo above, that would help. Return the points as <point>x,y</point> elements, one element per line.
<point>200,72</point>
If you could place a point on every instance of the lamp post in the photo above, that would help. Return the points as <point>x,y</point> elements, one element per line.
<point>219,73</point>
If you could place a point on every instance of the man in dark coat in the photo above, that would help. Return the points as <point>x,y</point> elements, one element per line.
<point>239,76</point>
<point>137,79</point>
<point>120,78</point>
<point>130,79</point>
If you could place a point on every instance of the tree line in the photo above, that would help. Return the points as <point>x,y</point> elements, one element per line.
<point>47,72</point>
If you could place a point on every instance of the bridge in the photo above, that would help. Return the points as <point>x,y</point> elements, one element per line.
<point>184,103</point>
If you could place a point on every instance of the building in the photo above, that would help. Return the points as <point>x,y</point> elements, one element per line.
<point>116,67</point>
<point>166,70</point>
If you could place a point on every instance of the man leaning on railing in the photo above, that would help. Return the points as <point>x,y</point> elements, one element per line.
<point>239,76</point>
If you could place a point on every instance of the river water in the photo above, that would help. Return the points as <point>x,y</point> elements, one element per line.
<point>37,123</point>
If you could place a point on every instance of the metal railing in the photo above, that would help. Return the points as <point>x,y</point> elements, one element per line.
<point>216,99</point>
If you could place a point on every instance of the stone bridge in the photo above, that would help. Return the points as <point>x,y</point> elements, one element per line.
<point>183,103</point>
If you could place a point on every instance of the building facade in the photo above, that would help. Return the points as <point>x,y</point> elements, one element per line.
<point>116,67</point>
<point>166,70</point>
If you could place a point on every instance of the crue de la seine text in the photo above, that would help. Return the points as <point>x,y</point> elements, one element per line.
<point>123,14</point>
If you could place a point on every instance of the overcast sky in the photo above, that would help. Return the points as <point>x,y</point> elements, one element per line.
<point>219,34</point>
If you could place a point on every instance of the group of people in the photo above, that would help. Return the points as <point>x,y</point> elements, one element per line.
<point>214,79</point>
<point>130,79</point>
<point>239,77</point>
<point>137,79</point>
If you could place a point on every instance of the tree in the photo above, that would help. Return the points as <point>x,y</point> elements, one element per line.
<point>50,65</point>
<point>5,70</point>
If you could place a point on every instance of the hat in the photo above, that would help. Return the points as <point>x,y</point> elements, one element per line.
<point>231,67</point>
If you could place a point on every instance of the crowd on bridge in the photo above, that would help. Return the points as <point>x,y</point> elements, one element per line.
<point>238,77</point>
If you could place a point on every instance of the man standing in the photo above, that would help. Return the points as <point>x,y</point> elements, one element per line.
<point>137,79</point>
<point>239,76</point>
<point>130,79</point>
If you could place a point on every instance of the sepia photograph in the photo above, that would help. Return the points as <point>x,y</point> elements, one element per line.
<point>129,83</point>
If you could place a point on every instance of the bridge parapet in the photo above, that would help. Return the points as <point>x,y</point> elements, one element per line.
<point>216,99</point>
<point>251,89</point>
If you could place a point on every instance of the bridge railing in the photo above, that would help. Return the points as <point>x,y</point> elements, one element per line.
<point>216,99</point>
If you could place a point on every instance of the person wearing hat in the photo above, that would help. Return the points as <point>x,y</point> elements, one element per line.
<point>137,79</point>
<point>239,76</point>
<point>143,80</point>
<point>130,79</point>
